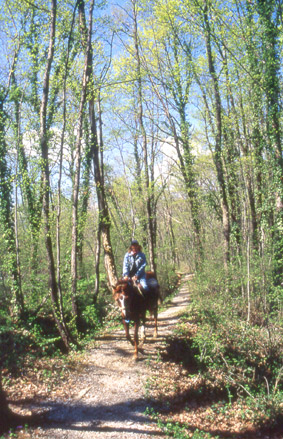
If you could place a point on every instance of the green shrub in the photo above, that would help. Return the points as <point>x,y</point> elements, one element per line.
<point>168,279</point>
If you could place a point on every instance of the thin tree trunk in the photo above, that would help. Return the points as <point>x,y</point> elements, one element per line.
<point>58,215</point>
<point>97,263</point>
<point>76,182</point>
<point>34,205</point>
<point>46,182</point>
<point>171,230</point>
<point>84,199</point>
<point>218,138</point>
<point>244,145</point>
<point>104,219</point>
<point>269,12</point>
<point>248,280</point>
<point>148,188</point>
<point>138,178</point>
<point>17,239</point>
<point>131,201</point>
<point>18,133</point>
<point>6,216</point>
<point>231,156</point>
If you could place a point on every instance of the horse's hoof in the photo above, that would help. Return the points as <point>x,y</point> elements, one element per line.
<point>135,357</point>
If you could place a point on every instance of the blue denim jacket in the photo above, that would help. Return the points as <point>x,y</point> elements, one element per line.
<point>129,263</point>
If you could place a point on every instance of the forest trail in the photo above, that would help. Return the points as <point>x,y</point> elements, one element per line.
<point>109,400</point>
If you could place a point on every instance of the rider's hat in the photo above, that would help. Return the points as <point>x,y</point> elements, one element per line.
<point>134,242</point>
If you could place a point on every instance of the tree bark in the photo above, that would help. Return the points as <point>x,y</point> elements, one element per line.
<point>268,13</point>
<point>58,213</point>
<point>76,180</point>
<point>218,137</point>
<point>148,188</point>
<point>6,216</point>
<point>46,182</point>
<point>104,218</point>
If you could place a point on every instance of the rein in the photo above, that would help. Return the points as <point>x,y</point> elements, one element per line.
<point>139,290</point>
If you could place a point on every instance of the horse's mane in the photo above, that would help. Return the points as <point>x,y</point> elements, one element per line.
<point>150,275</point>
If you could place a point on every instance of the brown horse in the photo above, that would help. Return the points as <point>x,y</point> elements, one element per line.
<point>134,302</point>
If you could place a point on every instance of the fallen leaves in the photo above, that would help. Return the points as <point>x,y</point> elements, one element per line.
<point>43,379</point>
<point>200,402</point>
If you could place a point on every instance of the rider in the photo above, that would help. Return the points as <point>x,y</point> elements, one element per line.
<point>134,265</point>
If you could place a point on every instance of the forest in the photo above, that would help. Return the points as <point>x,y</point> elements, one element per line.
<point>152,120</point>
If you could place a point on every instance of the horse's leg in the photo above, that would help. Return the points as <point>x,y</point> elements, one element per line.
<point>136,338</point>
<point>143,319</point>
<point>155,311</point>
<point>127,332</point>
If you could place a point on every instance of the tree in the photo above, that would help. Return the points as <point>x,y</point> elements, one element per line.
<point>76,178</point>
<point>104,218</point>
<point>142,131</point>
<point>218,133</point>
<point>171,76</point>
<point>6,214</point>
<point>46,183</point>
<point>269,15</point>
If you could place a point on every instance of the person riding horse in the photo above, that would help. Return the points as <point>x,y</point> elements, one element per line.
<point>137,293</point>
<point>134,265</point>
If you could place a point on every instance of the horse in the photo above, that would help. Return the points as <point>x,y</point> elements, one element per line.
<point>134,302</point>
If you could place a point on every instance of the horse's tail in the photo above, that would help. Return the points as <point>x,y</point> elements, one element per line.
<point>160,300</point>
<point>153,284</point>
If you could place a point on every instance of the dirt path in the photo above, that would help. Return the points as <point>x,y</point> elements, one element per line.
<point>110,399</point>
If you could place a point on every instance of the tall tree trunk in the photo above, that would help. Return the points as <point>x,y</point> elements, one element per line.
<point>97,263</point>
<point>245,150</point>
<point>218,137</point>
<point>231,154</point>
<point>269,13</point>
<point>186,158</point>
<point>46,182</point>
<point>58,214</point>
<point>6,216</point>
<point>104,218</point>
<point>98,236</point>
<point>148,187</point>
<point>257,134</point>
<point>17,237</point>
<point>76,181</point>
<point>84,198</point>
<point>34,204</point>
<point>170,229</point>
<point>139,182</point>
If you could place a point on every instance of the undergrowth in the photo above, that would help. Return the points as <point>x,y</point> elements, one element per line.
<point>35,335</point>
<point>230,371</point>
